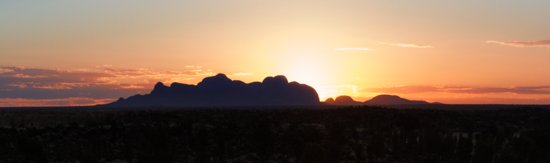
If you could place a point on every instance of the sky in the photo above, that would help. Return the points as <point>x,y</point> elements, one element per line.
<point>63,52</point>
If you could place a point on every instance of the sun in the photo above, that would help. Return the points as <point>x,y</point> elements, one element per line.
<point>311,72</point>
<point>306,73</point>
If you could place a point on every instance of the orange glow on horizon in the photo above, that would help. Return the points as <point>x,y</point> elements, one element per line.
<point>357,48</point>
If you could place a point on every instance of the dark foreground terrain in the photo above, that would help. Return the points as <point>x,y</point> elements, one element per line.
<point>360,134</point>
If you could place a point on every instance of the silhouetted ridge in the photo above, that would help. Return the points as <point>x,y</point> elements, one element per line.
<point>219,81</point>
<point>378,100</point>
<point>219,90</point>
<point>342,100</point>
<point>392,100</point>
<point>160,88</point>
<point>278,80</point>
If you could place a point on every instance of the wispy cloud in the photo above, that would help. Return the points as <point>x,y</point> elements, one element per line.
<point>470,95</point>
<point>59,87</point>
<point>72,101</point>
<point>534,90</point>
<point>522,44</point>
<point>5,70</point>
<point>407,45</point>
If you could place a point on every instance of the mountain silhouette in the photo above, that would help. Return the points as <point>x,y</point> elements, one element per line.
<point>377,100</point>
<point>342,100</point>
<point>219,90</point>
<point>393,100</point>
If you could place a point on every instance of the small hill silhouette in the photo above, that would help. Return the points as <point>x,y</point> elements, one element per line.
<point>393,100</point>
<point>219,90</point>
<point>377,100</point>
<point>342,100</point>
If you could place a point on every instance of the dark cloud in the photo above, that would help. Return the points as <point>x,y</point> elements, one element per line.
<point>516,90</point>
<point>73,101</point>
<point>99,83</point>
<point>403,89</point>
<point>89,90</point>
<point>11,76</point>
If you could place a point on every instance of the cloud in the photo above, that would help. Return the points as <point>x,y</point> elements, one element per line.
<point>531,90</point>
<point>73,101</point>
<point>403,89</point>
<point>56,86</point>
<point>470,95</point>
<point>407,45</point>
<point>522,44</point>
<point>5,70</point>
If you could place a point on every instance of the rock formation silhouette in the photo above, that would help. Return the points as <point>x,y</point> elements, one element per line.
<point>219,90</point>
<point>377,100</point>
<point>393,100</point>
<point>342,100</point>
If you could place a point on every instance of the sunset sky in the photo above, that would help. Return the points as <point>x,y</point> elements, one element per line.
<point>66,52</point>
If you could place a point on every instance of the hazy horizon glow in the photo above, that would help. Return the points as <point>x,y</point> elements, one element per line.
<point>62,52</point>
